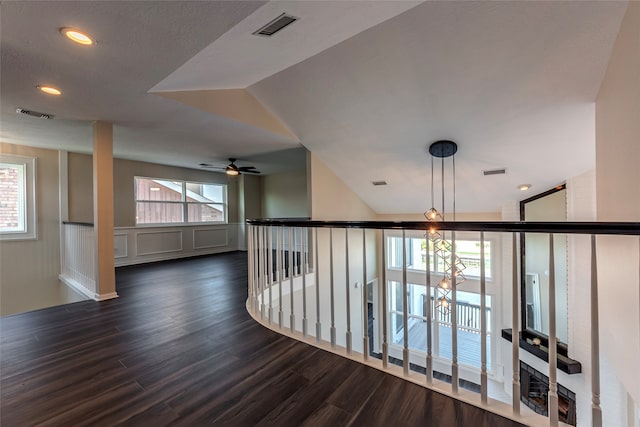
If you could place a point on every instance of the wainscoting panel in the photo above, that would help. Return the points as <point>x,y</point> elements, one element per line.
<point>158,242</point>
<point>204,238</point>
<point>138,245</point>
<point>120,242</point>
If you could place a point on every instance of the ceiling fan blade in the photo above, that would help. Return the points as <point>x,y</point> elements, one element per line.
<point>246,168</point>
<point>250,171</point>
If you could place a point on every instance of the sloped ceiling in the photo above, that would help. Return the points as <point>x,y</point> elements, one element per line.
<point>366,86</point>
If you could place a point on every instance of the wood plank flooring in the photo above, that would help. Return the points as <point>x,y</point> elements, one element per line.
<point>178,348</point>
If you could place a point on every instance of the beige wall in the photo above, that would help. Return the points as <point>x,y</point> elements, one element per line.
<point>466,216</point>
<point>284,195</point>
<point>81,193</point>
<point>30,267</point>
<point>252,197</point>
<point>618,199</point>
<point>331,198</point>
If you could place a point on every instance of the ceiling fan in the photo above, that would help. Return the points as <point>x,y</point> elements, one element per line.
<point>232,169</point>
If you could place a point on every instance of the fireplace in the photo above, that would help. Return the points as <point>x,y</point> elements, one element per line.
<point>534,392</point>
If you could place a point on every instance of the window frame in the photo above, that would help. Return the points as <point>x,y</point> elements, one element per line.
<point>29,215</point>
<point>184,204</point>
<point>491,241</point>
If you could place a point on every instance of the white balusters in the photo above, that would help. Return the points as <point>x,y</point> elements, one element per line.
<point>429,361</point>
<point>333,308</point>
<point>249,267</point>
<point>317,282</point>
<point>79,261</point>
<point>365,306</point>
<point>262,266</point>
<point>280,261</point>
<point>483,324</point>
<point>405,308</point>
<point>515,334</point>
<point>346,249</point>
<point>292,317</point>
<point>454,318</point>
<point>553,345</point>
<point>596,411</point>
<point>271,272</point>
<point>303,270</point>
<point>385,346</point>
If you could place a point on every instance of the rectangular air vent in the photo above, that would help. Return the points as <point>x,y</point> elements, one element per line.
<point>377,183</point>
<point>34,114</point>
<point>276,25</point>
<point>494,172</point>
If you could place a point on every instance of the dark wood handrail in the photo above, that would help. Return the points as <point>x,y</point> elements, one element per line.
<point>617,228</point>
<point>82,224</point>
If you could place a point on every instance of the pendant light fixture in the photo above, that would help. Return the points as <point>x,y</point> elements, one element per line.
<point>453,266</point>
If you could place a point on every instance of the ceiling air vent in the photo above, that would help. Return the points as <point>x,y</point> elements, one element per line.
<point>494,172</point>
<point>34,114</point>
<point>377,183</point>
<point>276,25</point>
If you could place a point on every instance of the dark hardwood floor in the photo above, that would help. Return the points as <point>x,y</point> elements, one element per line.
<point>178,348</point>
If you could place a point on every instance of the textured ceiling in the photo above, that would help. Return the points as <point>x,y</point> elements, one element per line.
<point>513,83</point>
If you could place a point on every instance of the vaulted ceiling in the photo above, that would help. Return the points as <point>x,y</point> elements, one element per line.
<point>366,86</point>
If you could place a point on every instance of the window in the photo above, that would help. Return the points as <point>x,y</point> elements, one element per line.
<point>468,319</point>
<point>17,197</point>
<point>416,255</point>
<point>163,201</point>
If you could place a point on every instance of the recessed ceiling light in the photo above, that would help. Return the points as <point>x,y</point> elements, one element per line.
<point>76,36</point>
<point>49,90</point>
<point>524,187</point>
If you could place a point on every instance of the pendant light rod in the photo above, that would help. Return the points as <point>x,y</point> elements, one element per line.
<point>442,186</point>
<point>432,201</point>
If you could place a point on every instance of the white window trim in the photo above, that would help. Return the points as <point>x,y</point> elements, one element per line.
<point>464,235</point>
<point>29,183</point>
<point>183,202</point>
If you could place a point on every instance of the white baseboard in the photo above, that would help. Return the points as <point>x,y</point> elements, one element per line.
<point>77,287</point>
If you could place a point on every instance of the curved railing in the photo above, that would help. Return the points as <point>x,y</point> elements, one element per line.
<point>330,283</point>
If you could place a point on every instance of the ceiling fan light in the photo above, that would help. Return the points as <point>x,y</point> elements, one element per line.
<point>232,172</point>
<point>76,36</point>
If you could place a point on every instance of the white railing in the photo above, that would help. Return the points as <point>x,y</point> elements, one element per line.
<point>78,258</point>
<point>312,271</point>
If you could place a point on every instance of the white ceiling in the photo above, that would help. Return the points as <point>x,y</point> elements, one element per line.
<point>513,83</point>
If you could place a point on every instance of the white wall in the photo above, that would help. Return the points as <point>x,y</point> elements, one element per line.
<point>581,202</point>
<point>618,199</point>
